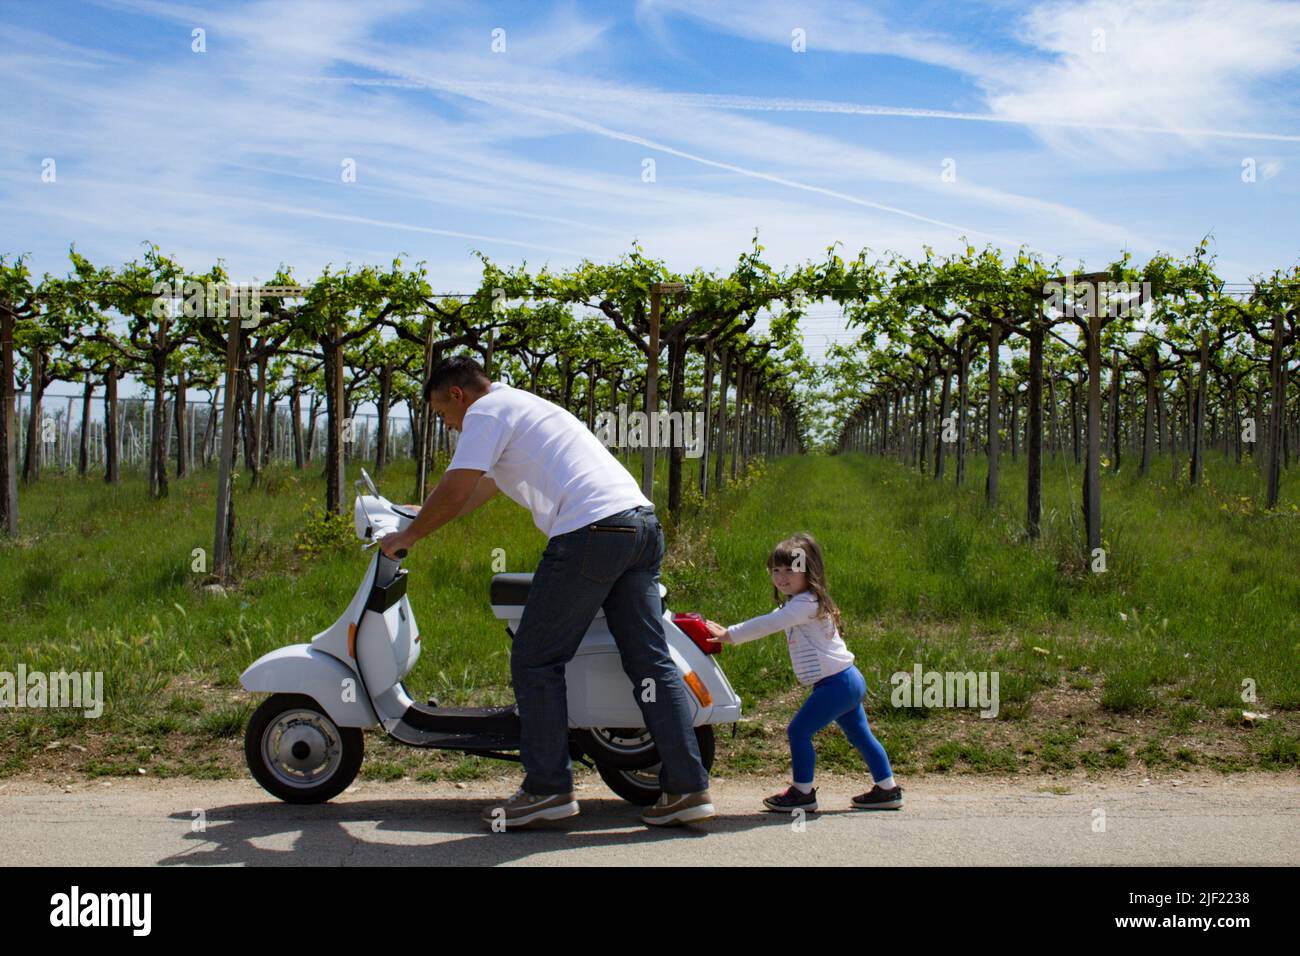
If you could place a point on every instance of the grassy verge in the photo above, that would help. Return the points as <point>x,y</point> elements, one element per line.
<point>1141,667</point>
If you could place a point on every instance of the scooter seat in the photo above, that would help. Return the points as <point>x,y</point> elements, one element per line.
<point>512,590</point>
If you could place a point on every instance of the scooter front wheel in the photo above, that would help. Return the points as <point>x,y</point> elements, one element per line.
<point>641,787</point>
<point>297,753</point>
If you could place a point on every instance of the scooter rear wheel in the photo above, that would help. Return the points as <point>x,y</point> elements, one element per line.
<point>297,753</point>
<point>641,787</point>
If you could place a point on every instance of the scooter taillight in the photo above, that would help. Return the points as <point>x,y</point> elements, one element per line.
<point>692,625</point>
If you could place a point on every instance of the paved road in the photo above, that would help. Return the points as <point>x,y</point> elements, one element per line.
<point>1250,820</point>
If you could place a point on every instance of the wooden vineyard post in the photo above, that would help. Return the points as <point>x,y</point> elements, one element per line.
<point>336,461</point>
<point>9,461</point>
<point>651,397</point>
<point>225,506</point>
<point>1034,446</point>
<point>1092,475</point>
<point>1277,414</point>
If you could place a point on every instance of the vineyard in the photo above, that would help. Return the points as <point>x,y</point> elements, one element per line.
<point>1081,478</point>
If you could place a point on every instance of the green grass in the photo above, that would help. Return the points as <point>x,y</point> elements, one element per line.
<point>1196,595</point>
<point>1200,594</point>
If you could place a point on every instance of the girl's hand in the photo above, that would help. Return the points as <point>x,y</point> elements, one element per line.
<point>718,631</point>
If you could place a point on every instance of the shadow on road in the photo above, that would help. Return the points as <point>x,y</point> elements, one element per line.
<point>270,834</point>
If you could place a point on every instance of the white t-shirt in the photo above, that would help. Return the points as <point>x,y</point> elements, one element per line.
<point>816,648</point>
<point>545,459</point>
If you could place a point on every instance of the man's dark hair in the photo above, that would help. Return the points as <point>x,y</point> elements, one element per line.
<point>458,370</point>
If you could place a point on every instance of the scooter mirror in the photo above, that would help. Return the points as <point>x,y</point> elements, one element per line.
<point>370,485</point>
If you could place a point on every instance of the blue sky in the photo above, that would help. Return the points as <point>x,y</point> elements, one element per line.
<point>1077,128</point>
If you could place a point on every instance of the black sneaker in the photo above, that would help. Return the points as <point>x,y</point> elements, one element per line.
<point>792,799</point>
<point>878,799</point>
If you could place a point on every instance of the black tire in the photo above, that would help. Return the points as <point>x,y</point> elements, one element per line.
<point>327,757</point>
<point>618,748</point>
<point>641,786</point>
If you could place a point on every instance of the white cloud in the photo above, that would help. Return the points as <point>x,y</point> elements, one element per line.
<point>1183,65</point>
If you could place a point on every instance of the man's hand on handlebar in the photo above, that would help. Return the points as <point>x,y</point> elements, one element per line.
<point>394,546</point>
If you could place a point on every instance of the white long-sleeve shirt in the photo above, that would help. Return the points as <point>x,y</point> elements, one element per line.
<point>816,648</point>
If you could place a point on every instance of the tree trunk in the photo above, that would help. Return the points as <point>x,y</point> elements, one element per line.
<point>736,429</point>
<point>210,427</point>
<point>1116,384</point>
<point>1198,426</point>
<point>385,397</point>
<point>945,409</point>
<point>313,412</point>
<point>182,463</point>
<point>995,393</point>
<point>295,425</point>
<point>1013,426</point>
<point>707,436</point>
<point>8,430</point>
<point>1148,419</point>
<point>112,440</point>
<point>924,447</point>
<point>83,451</point>
<point>1054,421</point>
<point>335,411</point>
<point>1236,418</point>
<point>1034,433</point>
<point>157,444</point>
<point>32,463</point>
<point>963,372</point>
<point>722,417</point>
<point>1075,388</point>
<point>1277,382</point>
<point>676,399</point>
<point>1092,475</point>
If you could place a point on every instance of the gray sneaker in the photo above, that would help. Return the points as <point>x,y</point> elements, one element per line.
<point>878,799</point>
<point>677,808</point>
<point>525,808</point>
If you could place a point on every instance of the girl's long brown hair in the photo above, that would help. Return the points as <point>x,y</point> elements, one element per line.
<point>802,549</point>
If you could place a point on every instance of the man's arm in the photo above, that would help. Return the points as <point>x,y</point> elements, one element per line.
<point>484,490</point>
<point>453,496</point>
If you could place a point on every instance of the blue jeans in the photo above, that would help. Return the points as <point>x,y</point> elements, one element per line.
<point>837,698</point>
<point>611,564</point>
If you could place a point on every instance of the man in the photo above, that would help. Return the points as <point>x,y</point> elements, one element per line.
<point>605,550</point>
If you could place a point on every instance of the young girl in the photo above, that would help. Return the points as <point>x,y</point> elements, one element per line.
<point>811,622</point>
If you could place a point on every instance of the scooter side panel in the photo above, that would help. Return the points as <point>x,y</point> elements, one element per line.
<point>599,692</point>
<point>601,695</point>
<point>302,669</point>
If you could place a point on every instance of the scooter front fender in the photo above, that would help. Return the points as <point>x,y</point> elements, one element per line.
<point>302,669</point>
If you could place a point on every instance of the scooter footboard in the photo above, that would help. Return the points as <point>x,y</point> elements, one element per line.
<point>302,669</point>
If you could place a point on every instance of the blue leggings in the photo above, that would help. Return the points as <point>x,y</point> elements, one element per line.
<point>837,698</point>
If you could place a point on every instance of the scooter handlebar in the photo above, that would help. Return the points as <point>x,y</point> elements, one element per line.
<point>397,555</point>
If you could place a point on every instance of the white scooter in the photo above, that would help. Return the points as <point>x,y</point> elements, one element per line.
<point>304,743</point>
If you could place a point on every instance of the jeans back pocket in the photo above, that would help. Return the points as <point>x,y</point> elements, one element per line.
<point>609,550</point>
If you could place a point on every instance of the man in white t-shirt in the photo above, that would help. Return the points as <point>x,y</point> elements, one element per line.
<point>604,551</point>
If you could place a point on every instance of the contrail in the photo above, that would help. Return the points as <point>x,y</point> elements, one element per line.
<point>831,106</point>
<point>777,105</point>
<point>476,91</point>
